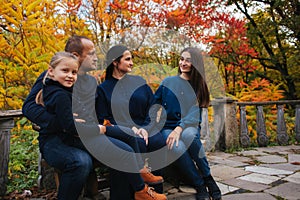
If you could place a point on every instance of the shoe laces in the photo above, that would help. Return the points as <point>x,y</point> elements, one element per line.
<point>148,172</point>
<point>151,191</point>
<point>147,166</point>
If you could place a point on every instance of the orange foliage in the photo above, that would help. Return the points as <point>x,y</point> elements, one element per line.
<point>260,90</point>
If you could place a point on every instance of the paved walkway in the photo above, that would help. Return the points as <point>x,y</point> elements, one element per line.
<point>271,173</point>
<point>261,174</point>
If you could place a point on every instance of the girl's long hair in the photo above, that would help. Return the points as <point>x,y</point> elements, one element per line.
<point>197,76</point>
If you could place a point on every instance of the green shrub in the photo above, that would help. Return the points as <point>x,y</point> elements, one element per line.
<point>23,157</point>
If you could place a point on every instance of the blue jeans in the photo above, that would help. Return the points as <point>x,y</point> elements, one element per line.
<point>127,136</point>
<point>189,154</point>
<point>117,155</point>
<point>74,163</point>
<point>155,142</point>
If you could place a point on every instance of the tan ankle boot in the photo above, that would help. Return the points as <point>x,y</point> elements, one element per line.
<point>148,193</point>
<point>149,178</point>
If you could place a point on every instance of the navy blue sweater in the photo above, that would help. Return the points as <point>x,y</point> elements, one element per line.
<point>179,101</point>
<point>58,102</point>
<point>34,112</point>
<point>125,102</point>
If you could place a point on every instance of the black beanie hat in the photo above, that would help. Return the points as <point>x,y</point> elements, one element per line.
<point>114,53</point>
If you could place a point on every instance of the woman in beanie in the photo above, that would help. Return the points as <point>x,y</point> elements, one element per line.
<point>125,100</point>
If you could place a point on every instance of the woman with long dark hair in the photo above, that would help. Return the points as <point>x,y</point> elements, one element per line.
<point>182,98</point>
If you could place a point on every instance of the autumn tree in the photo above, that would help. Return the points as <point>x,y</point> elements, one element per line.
<point>234,54</point>
<point>273,28</point>
<point>30,32</point>
<point>156,30</point>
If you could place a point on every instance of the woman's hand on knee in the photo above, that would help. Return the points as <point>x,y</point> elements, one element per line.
<point>174,137</point>
<point>143,134</point>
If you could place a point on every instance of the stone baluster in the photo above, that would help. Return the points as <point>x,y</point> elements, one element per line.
<point>297,123</point>
<point>282,137</point>
<point>6,124</point>
<point>205,132</point>
<point>262,138</point>
<point>244,137</point>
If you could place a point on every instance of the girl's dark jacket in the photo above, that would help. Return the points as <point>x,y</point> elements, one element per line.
<point>58,102</point>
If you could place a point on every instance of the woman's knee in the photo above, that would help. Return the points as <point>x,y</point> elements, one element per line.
<point>189,134</point>
<point>180,148</point>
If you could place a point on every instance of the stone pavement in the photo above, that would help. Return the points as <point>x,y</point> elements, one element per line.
<point>267,173</point>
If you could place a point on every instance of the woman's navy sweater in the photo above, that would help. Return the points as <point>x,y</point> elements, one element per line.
<point>125,102</point>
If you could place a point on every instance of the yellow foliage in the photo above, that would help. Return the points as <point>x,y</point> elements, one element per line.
<point>32,5</point>
<point>18,167</point>
<point>260,90</point>
<point>31,32</point>
<point>35,141</point>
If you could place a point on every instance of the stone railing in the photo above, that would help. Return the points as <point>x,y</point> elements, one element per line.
<point>262,139</point>
<point>228,133</point>
<point>224,127</point>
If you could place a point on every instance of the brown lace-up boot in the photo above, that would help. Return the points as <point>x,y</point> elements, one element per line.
<point>148,193</point>
<point>149,178</point>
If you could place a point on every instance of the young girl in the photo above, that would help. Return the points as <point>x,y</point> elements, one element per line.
<point>56,96</point>
<point>182,98</point>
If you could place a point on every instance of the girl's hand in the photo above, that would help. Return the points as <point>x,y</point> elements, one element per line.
<point>174,137</point>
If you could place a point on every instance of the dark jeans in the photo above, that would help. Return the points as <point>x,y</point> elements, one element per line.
<point>74,163</point>
<point>155,142</point>
<point>156,160</point>
<point>127,136</point>
<point>117,155</point>
<point>192,152</point>
<point>120,187</point>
